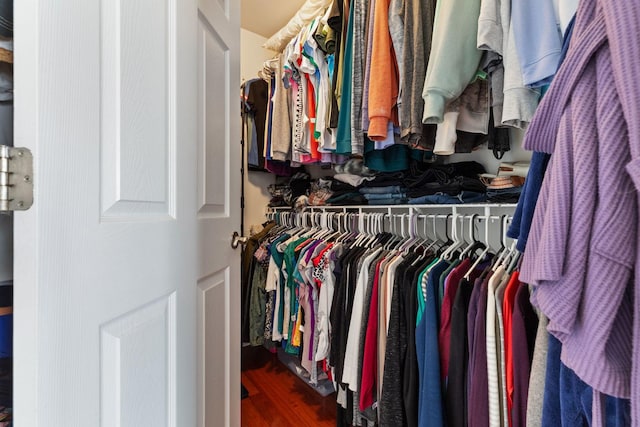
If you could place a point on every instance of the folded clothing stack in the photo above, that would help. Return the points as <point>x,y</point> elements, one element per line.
<point>287,194</point>
<point>329,191</point>
<point>386,188</point>
<point>504,189</point>
<point>446,199</point>
<point>355,184</point>
<point>320,192</point>
<point>277,192</point>
<point>453,183</point>
<point>385,195</point>
<point>344,188</point>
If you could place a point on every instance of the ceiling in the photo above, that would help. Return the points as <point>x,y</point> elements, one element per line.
<point>266,17</point>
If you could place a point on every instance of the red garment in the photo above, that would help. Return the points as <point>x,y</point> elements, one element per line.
<point>507,316</point>
<point>311,113</point>
<point>316,263</point>
<point>368,383</point>
<point>444,335</point>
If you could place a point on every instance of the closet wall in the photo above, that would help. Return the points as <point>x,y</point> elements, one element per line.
<point>256,196</point>
<point>487,159</point>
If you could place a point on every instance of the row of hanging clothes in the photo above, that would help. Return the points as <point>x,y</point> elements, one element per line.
<point>412,326</point>
<point>375,78</point>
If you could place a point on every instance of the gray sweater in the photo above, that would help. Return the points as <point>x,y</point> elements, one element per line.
<point>360,10</point>
<point>418,20</point>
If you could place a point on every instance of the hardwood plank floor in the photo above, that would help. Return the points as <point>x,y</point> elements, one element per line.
<point>277,398</point>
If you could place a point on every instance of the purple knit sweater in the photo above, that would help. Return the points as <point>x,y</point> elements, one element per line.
<point>582,255</point>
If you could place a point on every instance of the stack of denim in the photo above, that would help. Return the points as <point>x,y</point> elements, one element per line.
<point>385,195</point>
<point>446,199</point>
<point>504,195</point>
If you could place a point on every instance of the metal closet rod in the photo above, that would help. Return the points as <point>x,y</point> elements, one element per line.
<point>408,215</point>
<point>483,210</point>
<point>311,218</point>
<point>398,207</point>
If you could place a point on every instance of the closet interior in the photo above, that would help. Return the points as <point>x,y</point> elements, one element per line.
<point>428,250</point>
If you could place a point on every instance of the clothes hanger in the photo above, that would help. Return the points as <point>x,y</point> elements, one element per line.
<point>361,235</point>
<point>503,241</point>
<point>365,233</point>
<point>377,230</point>
<point>393,231</point>
<point>378,237</point>
<point>508,252</point>
<point>478,260</point>
<point>383,236</point>
<point>424,243</point>
<point>445,245</point>
<point>386,220</point>
<point>514,262</point>
<point>303,223</point>
<point>472,237</point>
<point>453,237</point>
<point>321,223</point>
<point>475,243</point>
<point>421,240</point>
<point>353,227</point>
<point>346,225</point>
<point>279,227</point>
<point>333,224</point>
<point>511,253</point>
<point>296,222</point>
<point>339,229</point>
<point>402,236</point>
<point>310,225</point>
<point>344,230</point>
<point>436,238</point>
<point>371,230</point>
<point>458,239</point>
<point>411,233</point>
<point>306,229</point>
<point>353,230</point>
<point>326,220</point>
<point>413,238</point>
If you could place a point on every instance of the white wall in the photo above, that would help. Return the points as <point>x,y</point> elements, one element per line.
<point>486,158</point>
<point>256,196</point>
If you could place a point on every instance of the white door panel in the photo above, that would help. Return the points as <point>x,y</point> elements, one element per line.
<point>123,272</point>
<point>218,212</point>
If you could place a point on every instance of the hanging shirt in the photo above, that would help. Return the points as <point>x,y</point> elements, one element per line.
<point>492,357</point>
<point>350,372</point>
<point>451,289</point>
<point>343,139</point>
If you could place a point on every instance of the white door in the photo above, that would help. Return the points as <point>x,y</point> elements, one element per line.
<point>124,278</point>
<point>218,212</point>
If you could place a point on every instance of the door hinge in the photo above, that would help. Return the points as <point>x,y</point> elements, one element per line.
<point>16,178</point>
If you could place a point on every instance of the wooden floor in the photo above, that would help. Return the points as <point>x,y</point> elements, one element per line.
<point>277,398</point>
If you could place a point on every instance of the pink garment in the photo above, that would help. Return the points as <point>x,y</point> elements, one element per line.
<point>444,335</point>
